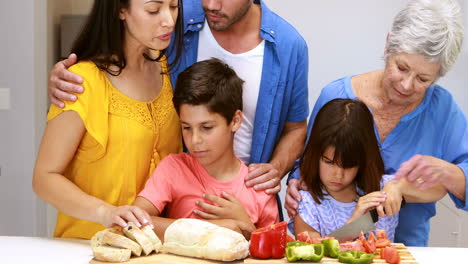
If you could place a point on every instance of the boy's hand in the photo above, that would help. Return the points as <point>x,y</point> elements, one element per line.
<point>394,198</point>
<point>367,203</point>
<point>120,215</point>
<point>264,176</point>
<point>227,207</point>
<point>63,82</point>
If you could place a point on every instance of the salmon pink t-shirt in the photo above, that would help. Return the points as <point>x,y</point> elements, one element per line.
<point>180,180</point>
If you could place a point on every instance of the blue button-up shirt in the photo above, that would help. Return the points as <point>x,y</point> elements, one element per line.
<point>437,127</point>
<point>283,95</point>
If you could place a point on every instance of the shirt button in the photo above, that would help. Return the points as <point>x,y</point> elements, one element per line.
<point>272,32</point>
<point>199,25</point>
<point>191,20</point>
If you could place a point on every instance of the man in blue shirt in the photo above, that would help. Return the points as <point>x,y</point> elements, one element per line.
<point>270,56</point>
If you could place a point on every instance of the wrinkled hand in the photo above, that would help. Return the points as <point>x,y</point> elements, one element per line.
<point>62,82</point>
<point>226,207</point>
<point>367,203</point>
<point>392,203</point>
<point>264,176</point>
<point>120,215</point>
<point>422,171</point>
<point>293,197</point>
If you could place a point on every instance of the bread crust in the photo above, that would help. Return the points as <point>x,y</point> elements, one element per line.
<point>111,254</point>
<point>135,233</point>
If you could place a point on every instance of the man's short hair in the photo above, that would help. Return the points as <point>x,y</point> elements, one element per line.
<point>212,83</point>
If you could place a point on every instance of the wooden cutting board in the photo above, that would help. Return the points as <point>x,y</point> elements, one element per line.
<point>162,258</point>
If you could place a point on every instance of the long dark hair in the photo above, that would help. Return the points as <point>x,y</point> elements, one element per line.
<point>346,125</point>
<point>101,39</point>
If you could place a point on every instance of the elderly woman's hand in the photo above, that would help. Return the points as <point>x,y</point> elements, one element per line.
<point>423,171</point>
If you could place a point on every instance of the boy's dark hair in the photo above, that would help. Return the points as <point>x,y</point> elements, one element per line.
<point>101,39</point>
<point>346,125</point>
<point>212,83</point>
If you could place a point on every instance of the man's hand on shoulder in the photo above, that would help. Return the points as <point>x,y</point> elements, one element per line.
<point>264,176</point>
<point>62,82</point>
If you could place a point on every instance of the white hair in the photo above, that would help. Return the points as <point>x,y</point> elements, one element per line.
<point>432,28</point>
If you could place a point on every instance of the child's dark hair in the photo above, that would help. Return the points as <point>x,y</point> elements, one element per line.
<point>346,125</point>
<point>212,83</point>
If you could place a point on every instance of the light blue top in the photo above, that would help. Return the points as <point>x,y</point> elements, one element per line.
<point>283,93</point>
<point>437,127</point>
<point>332,214</point>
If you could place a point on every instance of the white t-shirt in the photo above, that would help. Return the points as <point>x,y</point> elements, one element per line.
<point>248,67</point>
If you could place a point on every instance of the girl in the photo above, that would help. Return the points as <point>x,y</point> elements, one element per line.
<point>343,171</point>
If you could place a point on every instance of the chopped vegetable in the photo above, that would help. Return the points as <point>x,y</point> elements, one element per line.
<point>332,247</point>
<point>390,254</point>
<point>355,257</point>
<point>304,251</point>
<point>268,242</point>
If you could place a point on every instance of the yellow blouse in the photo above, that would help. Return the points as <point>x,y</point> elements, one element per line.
<point>125,139</point>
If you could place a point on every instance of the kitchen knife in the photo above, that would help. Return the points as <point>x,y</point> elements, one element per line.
<point>353,229</point>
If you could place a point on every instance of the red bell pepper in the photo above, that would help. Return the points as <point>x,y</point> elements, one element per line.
<point>269,242</point>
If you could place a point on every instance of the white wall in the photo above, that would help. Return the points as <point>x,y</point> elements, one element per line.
<point>23,70</point>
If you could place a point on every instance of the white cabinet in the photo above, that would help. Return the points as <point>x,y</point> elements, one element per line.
<point>449,228</point>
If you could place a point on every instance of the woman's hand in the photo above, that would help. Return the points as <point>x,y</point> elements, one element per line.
<point>423,171</point>
<point>293,197</point>
<point>120,215</point>
<point>367,203</point>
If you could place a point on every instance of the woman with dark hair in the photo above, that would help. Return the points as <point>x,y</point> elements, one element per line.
<point>97,153</point>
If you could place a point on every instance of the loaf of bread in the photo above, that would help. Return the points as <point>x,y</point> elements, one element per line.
<point>120,241</point>
<point>111,254</point>
<point>152,237</point>
<point>135,233</point>
<point>201,239</point>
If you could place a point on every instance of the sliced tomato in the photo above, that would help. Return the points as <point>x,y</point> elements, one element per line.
<point>382,242</point>
<point>381,233</point>
<point>372,237</point>
<point>390,254</point>
<point>304,237</point>
<point>369,246</point>
<point>354,245</point>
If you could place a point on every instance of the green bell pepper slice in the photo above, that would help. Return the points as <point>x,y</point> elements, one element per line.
<point>332,247</point>
<point>296,243</point>
<point>304,251</point>
<point>355,257</point>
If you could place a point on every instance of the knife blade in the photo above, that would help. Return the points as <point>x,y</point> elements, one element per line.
<point>364,223</point>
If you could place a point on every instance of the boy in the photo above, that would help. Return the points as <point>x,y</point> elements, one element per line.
<point>209,182</point>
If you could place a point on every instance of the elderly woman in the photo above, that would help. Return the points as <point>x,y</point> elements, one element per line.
<point>422,133</point>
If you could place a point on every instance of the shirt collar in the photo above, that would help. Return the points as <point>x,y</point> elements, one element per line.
<point>195,19</point>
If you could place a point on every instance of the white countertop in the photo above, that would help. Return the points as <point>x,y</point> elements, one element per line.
<point>37,250</point>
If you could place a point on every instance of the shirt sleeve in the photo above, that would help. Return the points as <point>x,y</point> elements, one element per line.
<point>159,189</point>
<point>299,107</point>
<point>91,106</point>
<point>456,150</point>
<point>307,211</point>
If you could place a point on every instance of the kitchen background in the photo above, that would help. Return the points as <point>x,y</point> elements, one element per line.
<point>344,37</point>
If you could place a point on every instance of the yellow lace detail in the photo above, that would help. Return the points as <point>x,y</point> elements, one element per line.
<point>152,114</point>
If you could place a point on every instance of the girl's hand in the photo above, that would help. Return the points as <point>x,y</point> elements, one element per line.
<point>120,215</point>
<point>392,204</point>
<point>367,203</point>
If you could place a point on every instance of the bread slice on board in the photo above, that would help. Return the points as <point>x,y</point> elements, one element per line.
<point>111,254</point>
<point>152,237</point>
<point>135,233</point>
<point>116,240</point>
